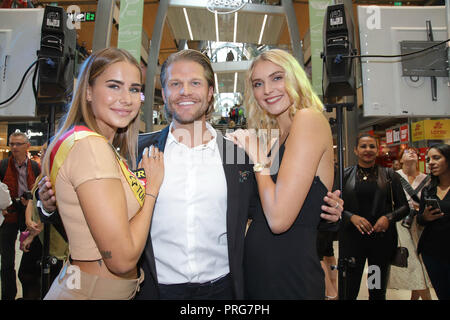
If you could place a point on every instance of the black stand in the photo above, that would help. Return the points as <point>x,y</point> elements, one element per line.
<point>47,260</point>
<point>340,124</point>
<point>343,265</point>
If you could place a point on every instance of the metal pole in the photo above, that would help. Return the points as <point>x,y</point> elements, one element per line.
<point>45,261</point>
<point>153,63</point>
<point>296,42</point>
<point>340,130</point>
<point>447,9</point>
<point>103,24</point>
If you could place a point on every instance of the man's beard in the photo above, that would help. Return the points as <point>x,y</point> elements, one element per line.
<point>191,119</point>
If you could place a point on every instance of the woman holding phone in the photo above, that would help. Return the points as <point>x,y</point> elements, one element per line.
<point>434,215</point>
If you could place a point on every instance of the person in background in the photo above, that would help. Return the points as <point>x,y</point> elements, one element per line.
<point>18,173</point>
<point>434,243</point>
<point>374,201</point>
<point>281,260</point>
<point>414,277</point>
<point>5,199</point>
<point>396,164</point>
<point>31,245</point>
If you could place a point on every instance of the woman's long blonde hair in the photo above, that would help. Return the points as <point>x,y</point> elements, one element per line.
<point>297,85</point>
<point>80,111</point>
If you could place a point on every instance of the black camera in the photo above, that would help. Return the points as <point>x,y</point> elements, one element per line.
<point>407,221</point>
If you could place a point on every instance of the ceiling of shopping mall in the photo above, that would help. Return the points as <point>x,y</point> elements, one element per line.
<point>203,28</point>
<point>201,20</point>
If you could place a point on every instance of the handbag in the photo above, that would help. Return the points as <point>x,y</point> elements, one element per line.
<point>400,258</point>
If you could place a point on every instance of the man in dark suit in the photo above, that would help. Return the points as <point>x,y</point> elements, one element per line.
<point>196,243</point>
<point>185,269</point>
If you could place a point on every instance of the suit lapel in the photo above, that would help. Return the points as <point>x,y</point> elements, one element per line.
<point>228,154</point>
<point>159,139</point>
<point>162,138</point>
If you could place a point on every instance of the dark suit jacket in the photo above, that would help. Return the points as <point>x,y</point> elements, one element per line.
<point>241,200</point>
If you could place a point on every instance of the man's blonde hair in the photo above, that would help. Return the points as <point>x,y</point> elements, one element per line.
<point>194,56</point>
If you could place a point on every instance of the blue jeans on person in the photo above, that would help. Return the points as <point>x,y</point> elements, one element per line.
<point>8,237</point>
<point>439,273</point>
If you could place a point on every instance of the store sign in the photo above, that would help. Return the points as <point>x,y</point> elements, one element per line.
<point>431,130</point>
<point>82,17</point>
<point>418,131</point>
<point>397,135</point>
<point>389,136</point>
<point>404,133</point>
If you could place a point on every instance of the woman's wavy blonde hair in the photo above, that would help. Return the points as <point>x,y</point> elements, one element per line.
<point>80,111</point>
<point>297,85</point>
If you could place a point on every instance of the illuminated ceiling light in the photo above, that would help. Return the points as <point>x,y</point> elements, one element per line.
<point>262,29</point>
<point>217,83</point>
<point>235,26</point>
<point>188,23</point>
<point>235,81</point>
<point>217,26</point>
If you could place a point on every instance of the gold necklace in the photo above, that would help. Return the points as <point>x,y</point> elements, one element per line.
<point>364,175</point>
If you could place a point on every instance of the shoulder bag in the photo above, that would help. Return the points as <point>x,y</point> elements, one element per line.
<point>400,258</point>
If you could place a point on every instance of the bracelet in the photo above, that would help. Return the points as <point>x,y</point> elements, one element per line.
<point>258,167</point>
<point>151,195</point>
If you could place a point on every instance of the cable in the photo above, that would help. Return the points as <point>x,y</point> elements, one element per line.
<point>20,85</point>
<point>35,90</point>
<point>396,55</point>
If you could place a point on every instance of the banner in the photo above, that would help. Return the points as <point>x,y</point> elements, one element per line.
<point>404,134</point>
<point>130,26</point>
<point>317,11</point>
<point>431,130</point>
<point>397,135</point>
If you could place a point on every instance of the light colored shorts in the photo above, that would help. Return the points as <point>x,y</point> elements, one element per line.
<point>74,284</point>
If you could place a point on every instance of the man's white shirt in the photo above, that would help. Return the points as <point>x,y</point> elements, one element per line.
<point>189,233</point>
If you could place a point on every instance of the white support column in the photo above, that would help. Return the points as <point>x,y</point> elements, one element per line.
<point>103,24</point>
<point>296,42</point>
<point>153,63</point>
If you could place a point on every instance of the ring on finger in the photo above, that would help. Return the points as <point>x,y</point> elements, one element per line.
<point>337,205</point>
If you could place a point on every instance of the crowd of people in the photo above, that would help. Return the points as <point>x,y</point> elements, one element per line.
<point>187,213</point>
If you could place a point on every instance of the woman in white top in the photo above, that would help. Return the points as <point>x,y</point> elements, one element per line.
<point>414,277</point>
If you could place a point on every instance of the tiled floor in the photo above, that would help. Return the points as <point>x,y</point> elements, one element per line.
<point>363,292</point>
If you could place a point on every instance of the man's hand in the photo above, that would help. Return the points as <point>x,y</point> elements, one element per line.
<point>47,195</point>
<point>335,206</point>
